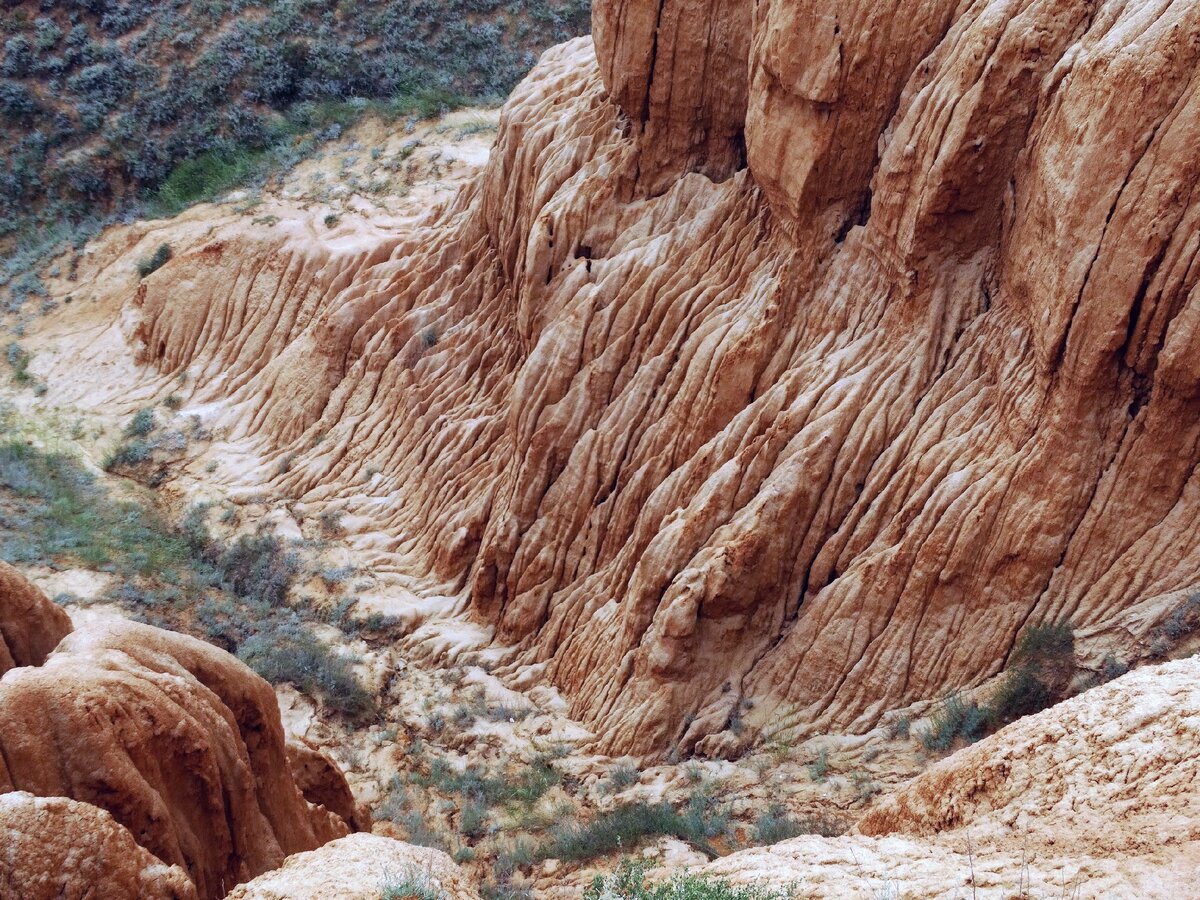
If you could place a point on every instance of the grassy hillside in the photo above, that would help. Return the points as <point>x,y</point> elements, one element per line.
<point>107,105</point>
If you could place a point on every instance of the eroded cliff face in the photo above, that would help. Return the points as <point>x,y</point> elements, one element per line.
<point>786,357</point>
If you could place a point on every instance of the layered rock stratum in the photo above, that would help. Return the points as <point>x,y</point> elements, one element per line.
<point>784,360</point>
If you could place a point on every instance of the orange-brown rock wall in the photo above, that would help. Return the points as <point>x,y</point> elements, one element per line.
<point>177,740</point>
<point>821,433</point>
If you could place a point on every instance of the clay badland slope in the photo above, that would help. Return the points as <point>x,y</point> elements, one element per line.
<point>789,356</point>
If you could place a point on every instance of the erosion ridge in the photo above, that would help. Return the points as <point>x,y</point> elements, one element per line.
<point>842,411</point>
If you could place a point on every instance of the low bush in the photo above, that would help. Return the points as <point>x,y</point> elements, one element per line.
<point>55,511</point>
<point>623,827</point>
<point>207,177</point>
<point>622,776</point>
<point>141,424</point>
<point>1039,675</point>
<point>528,785</point>
<point>256,567</point>
<point>155,261</point>
<point>19,361</point>
<point>629,882</point>
<point>288,652</point>
<point>955,720</point>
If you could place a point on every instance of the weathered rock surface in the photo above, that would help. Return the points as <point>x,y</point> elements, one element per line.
<point>59,849</point>
<point>1097,796</point>
<point>322,783</point>
<point>1116,768</point>
<point>175,738</point>
<point>30,624</point>
<point>820,433</point>
<point>358,867</point>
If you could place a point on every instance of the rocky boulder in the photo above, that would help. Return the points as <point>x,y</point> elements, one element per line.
<point>360,867</point>
<point>59,849</point>
<point>177,739</point>
<point>30,624</point>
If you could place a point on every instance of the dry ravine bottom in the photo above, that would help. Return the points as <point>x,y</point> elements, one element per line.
<point>757,462</point>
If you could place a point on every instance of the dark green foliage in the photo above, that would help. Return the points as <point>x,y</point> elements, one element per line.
<point>527,786</point>
<point>777,824</point>
<point>65,513</point>
<point>623,776</point>
<point>142,423</point>
<point>290,653</point>
<point>955,720</point>
<point>1038,676</point>
<point>19,360</point>
<point>629,882</point>
<point>108,102</point>
<point>206,178</point>
<point>256,568</point>
<point>154,261</point>
<point>1183,621</point>
<point>412,885</point>
<point>626,824</point>
<point>1045,641</point>
<point>55,511</point>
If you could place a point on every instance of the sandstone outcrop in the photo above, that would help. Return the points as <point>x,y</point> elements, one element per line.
<point>788,356</point>
<point>30,624</point>
<point>59,849</point>
<point>359,867</point>
<point>177,739</point>
<point>1096,796</point>
<point>1116,769</point>
<point>322,783</point>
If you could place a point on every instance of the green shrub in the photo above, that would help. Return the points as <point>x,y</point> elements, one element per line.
<point>207,177</point>
<point>290,653</point>
<point>1039,676</point>
<point>56,511</point>
<point>256,567</point>
<point>629,883</point>
<point>777,824</point>
<point>412,885</point>
<point>154,261</point>
<point>65,513</point>
<point>819,767</point>
<point>623,826</point>
<point>19,360</point>
<point>472,819</point>
<point>622,776</point>
<point>1046,641</point>
<point>130,453</point>
<point>956,720</point>
<point>526,786</point>
<point>141,424</point>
